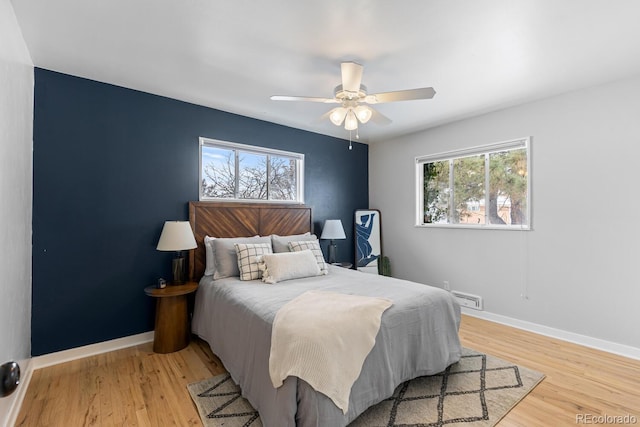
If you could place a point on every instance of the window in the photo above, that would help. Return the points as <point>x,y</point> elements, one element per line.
<point>482,187</point>
<point>230,171</point>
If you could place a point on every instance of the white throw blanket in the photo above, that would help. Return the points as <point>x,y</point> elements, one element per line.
<point>324,338</point>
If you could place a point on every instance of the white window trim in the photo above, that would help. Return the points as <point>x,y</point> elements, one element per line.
<point>253,150</point>
<point>465,152</point>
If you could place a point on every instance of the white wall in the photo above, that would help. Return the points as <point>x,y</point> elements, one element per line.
<point>579,264</point>
<point>16,145</point>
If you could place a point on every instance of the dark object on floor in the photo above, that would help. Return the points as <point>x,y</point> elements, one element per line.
<point>9,378</point>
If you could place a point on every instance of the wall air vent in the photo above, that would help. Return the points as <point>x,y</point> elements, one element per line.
<point>468,300</point>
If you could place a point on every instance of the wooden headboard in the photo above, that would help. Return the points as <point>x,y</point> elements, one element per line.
<point>228,219</point>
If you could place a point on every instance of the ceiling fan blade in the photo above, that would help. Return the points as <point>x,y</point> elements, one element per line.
<point>351,76</point>
<point>303,98</point>
<point>379,118</point>
<point>401,95</point>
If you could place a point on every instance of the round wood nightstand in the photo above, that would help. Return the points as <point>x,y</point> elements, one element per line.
<point>172,321</point>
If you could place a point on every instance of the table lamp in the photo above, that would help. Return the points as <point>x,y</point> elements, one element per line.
<point>177,236</point>
<point>333,230</point>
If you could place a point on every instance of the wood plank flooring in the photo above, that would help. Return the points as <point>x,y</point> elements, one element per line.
<point>579,380</point>
<point>136,387</point>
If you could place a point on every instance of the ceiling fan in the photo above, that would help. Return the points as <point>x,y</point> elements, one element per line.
<point>354,100</point>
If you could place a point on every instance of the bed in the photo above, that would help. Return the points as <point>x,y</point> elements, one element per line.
<point>417,336</point>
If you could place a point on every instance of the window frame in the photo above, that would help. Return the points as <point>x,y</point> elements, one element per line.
<point>251,149</point>
<point>485,150</point>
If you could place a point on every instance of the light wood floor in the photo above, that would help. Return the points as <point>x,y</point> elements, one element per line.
<point>135,387</point>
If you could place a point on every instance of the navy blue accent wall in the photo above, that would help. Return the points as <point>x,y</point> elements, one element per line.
<point>110,166</point>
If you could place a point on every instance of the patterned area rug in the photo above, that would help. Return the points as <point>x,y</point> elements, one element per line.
<point>479,390</point>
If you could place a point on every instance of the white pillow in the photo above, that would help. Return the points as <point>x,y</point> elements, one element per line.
<point>314,247</point>
<point>281,243</point>
<point>248,254</point>
<point>288,265</point>
<point>210,264</point>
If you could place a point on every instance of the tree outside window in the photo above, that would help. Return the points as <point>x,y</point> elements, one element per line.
<point>487,186</point>
<point>232,171</point>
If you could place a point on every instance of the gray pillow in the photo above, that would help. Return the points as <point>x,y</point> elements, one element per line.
<point>226,257</point>
<point>281,243</point>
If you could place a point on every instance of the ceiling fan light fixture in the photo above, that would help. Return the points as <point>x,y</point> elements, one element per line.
<point>337,115</point>
<point>363,113</point>
<point>351,94</point>
<point>351,122</point>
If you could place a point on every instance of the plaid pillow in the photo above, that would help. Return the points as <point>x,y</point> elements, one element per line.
<point>248,254</point>
<point>313,246</point>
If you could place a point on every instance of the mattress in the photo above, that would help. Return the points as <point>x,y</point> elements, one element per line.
<point>418,336</point>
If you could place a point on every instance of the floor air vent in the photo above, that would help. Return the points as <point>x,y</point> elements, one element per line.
<point>468,300</point>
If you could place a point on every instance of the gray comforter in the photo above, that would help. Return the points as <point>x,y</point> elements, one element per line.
<point>418,336</point>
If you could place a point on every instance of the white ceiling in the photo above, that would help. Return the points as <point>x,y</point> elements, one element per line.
<point>233,55</point>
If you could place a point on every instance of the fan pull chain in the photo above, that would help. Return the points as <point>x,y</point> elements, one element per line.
<point>357,137</point>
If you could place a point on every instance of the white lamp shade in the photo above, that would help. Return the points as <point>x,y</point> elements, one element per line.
<point>363,113</point>
<point>176,236</point>
<point>351,122</point>
<point>333,230</point>
<point>337,115</point>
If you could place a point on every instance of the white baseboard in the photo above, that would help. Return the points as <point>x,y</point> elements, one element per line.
<point>608,346</point>
<point>14,402</point>
<point>90,350</point>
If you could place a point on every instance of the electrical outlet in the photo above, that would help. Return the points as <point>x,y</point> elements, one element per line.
<point>446,285</point>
